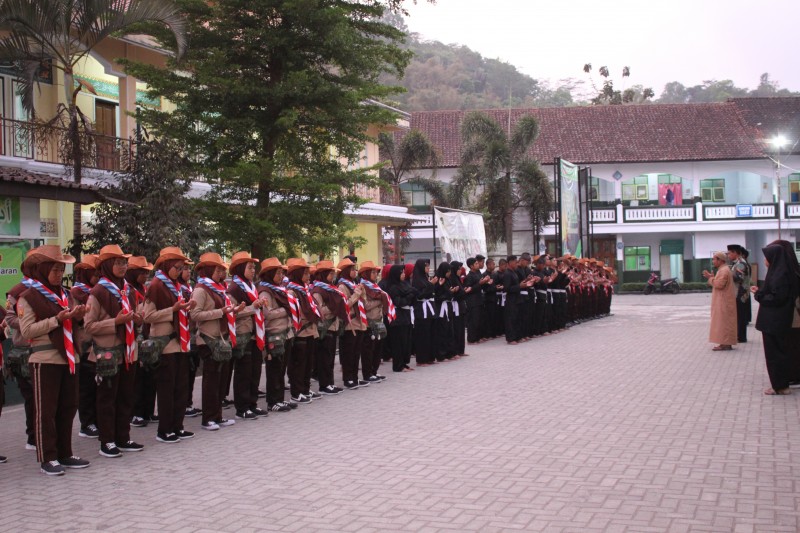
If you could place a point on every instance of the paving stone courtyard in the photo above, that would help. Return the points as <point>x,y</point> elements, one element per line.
<point>629,423</point>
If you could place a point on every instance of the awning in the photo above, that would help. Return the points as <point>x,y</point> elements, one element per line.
<point>383,214</point>
<point>27,184</point>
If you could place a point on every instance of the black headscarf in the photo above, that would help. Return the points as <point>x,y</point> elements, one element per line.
<point>419,271</point>
<point>442,270</point>
<point>783,267</point>
<point>455,279</point>
<point>394,275</point>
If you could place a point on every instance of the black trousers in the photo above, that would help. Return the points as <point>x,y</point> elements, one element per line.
<point>459,333</point>
<point>144,393</point>
<point>371,355</point>
<point>422,338</point>
<point>299,365</point>
<point>87,393</point>
<point>55,393</point>
<point>194,364</point>
<point>475,323</point>
<point>325,359</point>
<point>115,398</point>
<point>26,389</point>
<point>172,391</point>
<point>350,354</point>
<point>778,356</point>
<point>246,377</point>
<point>742,319</point>
<point>511,319</point>
<point>399,340</point>
<point>275,367</point>
<point>215,385</point>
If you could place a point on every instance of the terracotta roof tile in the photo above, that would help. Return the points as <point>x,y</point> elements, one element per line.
<point>629,133</point>
<point>772,116</point>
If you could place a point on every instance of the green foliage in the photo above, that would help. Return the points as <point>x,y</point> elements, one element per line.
<point>273,107</point>
<point>496,167</point>
<point>607,95</point>
<point>718,91</point>
<point>161,214</point>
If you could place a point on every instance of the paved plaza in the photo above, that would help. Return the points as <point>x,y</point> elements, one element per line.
<point>629,423</point>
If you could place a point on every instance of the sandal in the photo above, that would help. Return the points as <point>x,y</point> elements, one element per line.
<point>722,348</point>
<point>781,392</point>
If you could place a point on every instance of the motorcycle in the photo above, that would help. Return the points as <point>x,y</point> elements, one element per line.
<point>656,284</point>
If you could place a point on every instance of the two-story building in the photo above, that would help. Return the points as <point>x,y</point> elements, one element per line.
<point>671,184</point>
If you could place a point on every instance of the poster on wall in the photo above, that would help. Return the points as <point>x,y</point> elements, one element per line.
<point>570,209</point>
<point>11,256</point>
<point>461,234</point>
<point>670,194</point>
<point>9,216</point>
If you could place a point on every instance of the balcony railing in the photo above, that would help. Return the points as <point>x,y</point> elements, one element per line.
<point>606,215</point>
<point>47,144</point>
<point>792,210</point>
<point>731,212</point>
<point>659,214</point>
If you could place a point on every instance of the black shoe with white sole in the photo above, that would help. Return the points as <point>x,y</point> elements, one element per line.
<point>330,390</point>
<point>52,468</point>
<point>3,459</point>
<point>363,383</point>
<point>185,435</point>
<point>374,379</point>
<point>259,411</point>
<point>110,450</point>
<point>89,431</point>
<point>246,415</point>
<point>73,461</point>
<point>301,398</point>
<point>314,395</point>
<point>167,438</point>
<point>130,446</point>
<point>280,407</point>
<point>351,385</point>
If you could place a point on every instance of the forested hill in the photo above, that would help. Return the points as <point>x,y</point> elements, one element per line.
<point>444,76</point>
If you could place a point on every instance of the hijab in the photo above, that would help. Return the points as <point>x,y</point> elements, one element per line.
<point>782,269</point>
<point>419,279</point>
<point>108,301</point>
<point>394,275</point>
<point>442,270</point>
<point>455,277</point>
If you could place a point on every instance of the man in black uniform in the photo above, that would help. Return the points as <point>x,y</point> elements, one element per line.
<point>511,286</point>
<point>527,298</point>
<point>474,284</point>
<point>489,302</point>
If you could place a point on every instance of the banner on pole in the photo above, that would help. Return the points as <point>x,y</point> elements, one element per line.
<point>460,234</point>
<point>11,257</point>
<point>570,209</point>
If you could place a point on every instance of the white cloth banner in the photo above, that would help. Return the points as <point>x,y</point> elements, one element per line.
<point>460,234</point>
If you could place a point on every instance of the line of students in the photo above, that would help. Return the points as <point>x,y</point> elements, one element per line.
<point>80,350</point>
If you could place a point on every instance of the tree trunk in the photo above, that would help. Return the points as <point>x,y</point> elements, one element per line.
<point>396,245</point>
<point>76,152</point>
<point>509,218</point>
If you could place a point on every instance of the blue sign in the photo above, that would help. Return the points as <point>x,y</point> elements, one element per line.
<point>744,211</point>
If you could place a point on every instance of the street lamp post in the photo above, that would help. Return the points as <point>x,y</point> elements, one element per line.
<point>778,142</point>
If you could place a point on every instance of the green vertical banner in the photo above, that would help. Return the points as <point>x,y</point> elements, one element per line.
<point>11,256</point>
<point>570,210</point>
<point>9,216</point>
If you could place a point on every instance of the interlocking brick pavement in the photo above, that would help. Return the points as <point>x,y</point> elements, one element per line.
<point>629,423</point>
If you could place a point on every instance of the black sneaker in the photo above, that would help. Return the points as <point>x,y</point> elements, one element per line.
<point>138,422</point>
<point>226,403</point>
<point>380,377</point>
<point>52,468</point>
<point>259,411</point>
<point>110,450</point>
<point>223,422</point>
<point>185,435</point>
<point>191,412</point>
<point>89,432</point>
<point>291,404</point>
<point>246,415</point>
<point>330,390</point>
<point>280,407</point>
<point>130,446</point>
<point>301,398</point>
<point>374,379</point>
<point>168,438</point>
<point>262,394</point>
<point>314,395</point>
<point>74,462</point>
<point>153,418</point>
<point>351,385</point>
<point>3,459</point>
<point>362,383</point>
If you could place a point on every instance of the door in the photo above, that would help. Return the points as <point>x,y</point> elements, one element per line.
<point>605,250</point>
<point>105,114</point>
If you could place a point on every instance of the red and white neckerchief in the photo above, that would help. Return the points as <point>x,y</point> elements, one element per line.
<point>219,290</point>
<point>66,325</point>
<point>122,298</point>
<point>183,315</point>
<point>82,287</point>
<point>251,292</point>
<point>391,312</point>
<point>138,297</point>
<point>330,288</point>
<point>362,312</point>
<point>294,308</point>
<point>307,294</point>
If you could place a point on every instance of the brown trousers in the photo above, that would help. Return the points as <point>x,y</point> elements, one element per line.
<point>214,384</point>
<point>350,353</point>
<point>246,377</point>
<point>172,391</point>
<point>55,393</point>
<point>115,398</point>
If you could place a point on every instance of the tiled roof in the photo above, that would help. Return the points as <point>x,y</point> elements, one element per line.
<point>773,117</point>
<point>21,182</point>
<point>628,133</point>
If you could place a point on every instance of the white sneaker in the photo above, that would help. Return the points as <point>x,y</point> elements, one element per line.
<point>210,426</point>
<point>29,446</point>
<point>225,422</point>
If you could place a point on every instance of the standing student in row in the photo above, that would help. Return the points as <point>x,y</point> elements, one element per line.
<point>250,336</point>
<point>300,360</point>
<point>144,396</point>
<point>377,305</point>
<point>424,313</point>
<point>167,313</point>
<point>399,338</point>
<point>86,277</point>
<point>110,321</point>
<point>352,340</point>
<point>46,313</point>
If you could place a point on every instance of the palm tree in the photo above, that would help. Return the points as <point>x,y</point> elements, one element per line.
<point>497,161</point>
<point>65,32</point>
<point>403,162</point>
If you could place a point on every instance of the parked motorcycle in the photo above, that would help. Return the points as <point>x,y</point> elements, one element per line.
<point>656,284</point>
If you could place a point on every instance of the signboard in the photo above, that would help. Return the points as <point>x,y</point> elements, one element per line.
<point>461,234</point>
<point>9,216</point>
<point>744,211</point>
<point>11,256</point>
<point>570,209</point>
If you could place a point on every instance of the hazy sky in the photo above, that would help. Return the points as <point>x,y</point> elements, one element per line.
<point>662,40</point>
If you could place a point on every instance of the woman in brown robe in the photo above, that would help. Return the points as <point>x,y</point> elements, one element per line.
<point>723,304</point>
